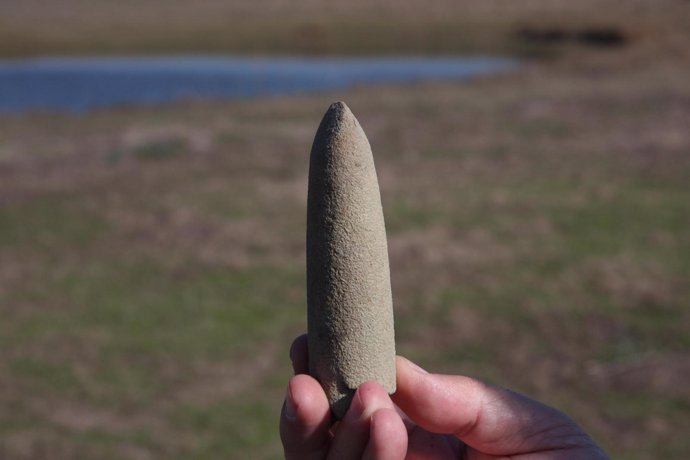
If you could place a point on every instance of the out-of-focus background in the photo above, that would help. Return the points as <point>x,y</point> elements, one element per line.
<point>152,271</point>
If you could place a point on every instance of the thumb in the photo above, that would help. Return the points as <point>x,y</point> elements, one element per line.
<point>489,419</point>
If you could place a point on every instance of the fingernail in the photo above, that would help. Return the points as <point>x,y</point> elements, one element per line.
<point>290,408</point>
<point>415,367</point>
<point>357,408</point>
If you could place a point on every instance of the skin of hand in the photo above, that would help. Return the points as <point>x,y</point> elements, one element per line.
<point>430,416</point>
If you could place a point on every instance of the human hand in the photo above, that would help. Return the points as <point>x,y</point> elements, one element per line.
<point>430,416</point>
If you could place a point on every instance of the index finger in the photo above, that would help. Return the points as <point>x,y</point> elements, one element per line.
<point>305,420</point>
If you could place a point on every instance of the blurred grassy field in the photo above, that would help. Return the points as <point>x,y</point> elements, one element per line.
<point>35,27</point>
<point>152,259</point>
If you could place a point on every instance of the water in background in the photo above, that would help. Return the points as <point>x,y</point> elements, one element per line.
<point>83,83</point>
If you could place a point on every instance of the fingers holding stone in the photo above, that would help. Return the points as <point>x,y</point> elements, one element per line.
<point>353,433</point>
<point>387,436</point>
<point>305,420</point>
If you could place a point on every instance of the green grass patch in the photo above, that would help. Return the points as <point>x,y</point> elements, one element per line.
<point>403,214</point>
<point>161,149</point>
<point>43,374</point>
<point>143,315</point>
<point>229,427</point>
<point>52,223</point>
<point>195,310</point>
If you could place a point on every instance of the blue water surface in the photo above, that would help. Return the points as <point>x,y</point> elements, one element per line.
<point>78,84</point>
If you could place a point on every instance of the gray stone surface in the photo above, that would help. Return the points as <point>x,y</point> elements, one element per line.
<point>350,310</point>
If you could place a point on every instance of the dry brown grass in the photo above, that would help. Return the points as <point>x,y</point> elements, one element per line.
<point>305,26</point>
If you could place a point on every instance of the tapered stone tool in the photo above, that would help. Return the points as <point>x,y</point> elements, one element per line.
<point>350,309</point>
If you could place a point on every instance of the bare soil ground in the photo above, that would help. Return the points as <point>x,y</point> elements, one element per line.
<point>152,259</point>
